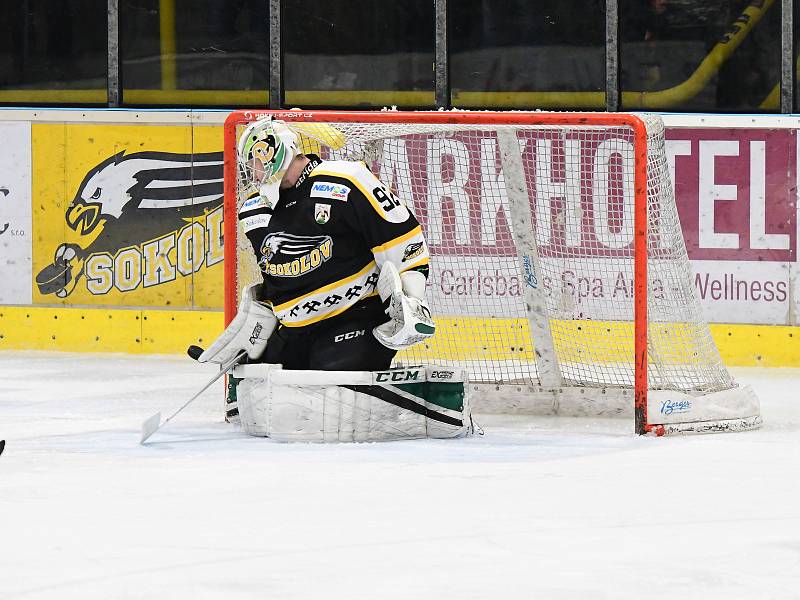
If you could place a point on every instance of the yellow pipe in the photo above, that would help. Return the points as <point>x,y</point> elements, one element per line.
<point>773,99</point>
<point>166,14</point>
<point>707,69</point>
<point>661,99</point>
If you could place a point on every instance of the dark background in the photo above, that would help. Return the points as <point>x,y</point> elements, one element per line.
<point>374,45</point>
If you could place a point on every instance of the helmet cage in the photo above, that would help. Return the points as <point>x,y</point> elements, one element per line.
<point>265,152</point>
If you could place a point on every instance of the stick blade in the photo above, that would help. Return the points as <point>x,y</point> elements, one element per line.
<point>150,426</point>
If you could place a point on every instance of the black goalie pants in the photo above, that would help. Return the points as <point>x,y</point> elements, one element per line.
<point>341,343</point>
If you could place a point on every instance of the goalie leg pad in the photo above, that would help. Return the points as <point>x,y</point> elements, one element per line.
<point>355,413</point>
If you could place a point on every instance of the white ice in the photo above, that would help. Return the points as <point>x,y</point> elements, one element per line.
<point>535,508</point>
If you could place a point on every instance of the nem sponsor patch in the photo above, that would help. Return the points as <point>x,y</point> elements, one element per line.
<point>327,189</point>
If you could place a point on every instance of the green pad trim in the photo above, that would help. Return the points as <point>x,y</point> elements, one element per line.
<point>448,395</point>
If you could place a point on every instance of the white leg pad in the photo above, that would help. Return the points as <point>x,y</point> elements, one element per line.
<point>338,413</point>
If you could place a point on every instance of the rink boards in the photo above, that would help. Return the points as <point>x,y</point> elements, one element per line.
<point>158,288</point>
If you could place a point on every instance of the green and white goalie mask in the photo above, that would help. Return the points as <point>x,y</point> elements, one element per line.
<point>265,150</point>
<point>353,406</point>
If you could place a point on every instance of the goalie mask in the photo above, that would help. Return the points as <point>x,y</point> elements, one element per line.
<point>266,149</point>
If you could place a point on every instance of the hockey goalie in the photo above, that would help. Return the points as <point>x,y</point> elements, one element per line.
<point>344,266</point>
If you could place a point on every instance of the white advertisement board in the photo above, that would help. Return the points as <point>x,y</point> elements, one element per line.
<point>736,188</point>
<point>15,212</point>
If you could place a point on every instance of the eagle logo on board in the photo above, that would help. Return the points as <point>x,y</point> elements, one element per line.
<point>129,200</point>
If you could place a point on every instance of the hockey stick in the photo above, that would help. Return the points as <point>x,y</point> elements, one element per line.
<point>153,424</point>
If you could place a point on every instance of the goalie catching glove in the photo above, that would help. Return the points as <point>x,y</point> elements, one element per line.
<point>410,319</point>
<point>249,330</point>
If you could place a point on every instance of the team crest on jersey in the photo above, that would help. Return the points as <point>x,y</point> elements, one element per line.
<point>327,189</point>
<point>322,213</point>
<point>287,255</point>
<point>413,251</point>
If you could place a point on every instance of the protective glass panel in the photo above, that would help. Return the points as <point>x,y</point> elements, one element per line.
<point>204,52</point>
<point>796,57</point>
<point>347,54</point>
<point>53,52</point>
<point>518,54</point>
<point>700,55</point>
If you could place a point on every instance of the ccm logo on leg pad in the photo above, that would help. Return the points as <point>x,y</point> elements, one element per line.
<point>398,376</point>
<point>349,335</point>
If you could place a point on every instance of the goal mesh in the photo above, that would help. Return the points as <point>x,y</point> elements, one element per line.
<point>578,279</point>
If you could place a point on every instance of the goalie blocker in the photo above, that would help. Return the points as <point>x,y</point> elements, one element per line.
<point>352,406</point>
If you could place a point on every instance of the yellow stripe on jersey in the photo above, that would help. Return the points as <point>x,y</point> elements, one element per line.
<point>398,240</point>
<point>393,252</point>
<point>421,263</point>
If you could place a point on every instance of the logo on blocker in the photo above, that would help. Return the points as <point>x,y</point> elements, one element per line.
<point>254,337</point>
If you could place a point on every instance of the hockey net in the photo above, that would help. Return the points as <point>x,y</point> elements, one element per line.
<point>559,275</point>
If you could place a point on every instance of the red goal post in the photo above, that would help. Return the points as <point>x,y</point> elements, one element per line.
<point>563,133</point>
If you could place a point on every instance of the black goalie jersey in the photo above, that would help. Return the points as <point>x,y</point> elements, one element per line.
<point>320,250</point>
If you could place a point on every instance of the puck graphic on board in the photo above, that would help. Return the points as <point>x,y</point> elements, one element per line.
<point>54,277</point>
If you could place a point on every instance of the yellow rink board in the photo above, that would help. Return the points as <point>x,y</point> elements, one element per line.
<point>156,331</point>
<point>143,331</point>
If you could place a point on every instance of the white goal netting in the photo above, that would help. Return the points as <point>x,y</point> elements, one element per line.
<point>531,230</point>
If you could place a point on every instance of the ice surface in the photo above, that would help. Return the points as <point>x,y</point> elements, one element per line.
<point>536,508</point>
